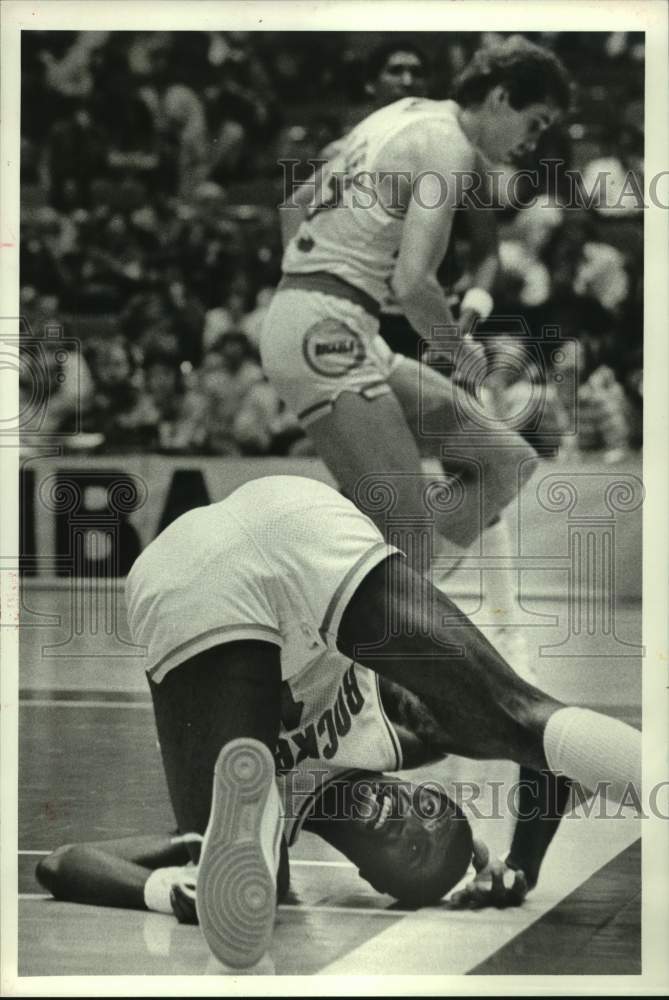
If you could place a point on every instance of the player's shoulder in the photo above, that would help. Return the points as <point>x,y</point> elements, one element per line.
<point>431,136</point>
<point>332,149</point>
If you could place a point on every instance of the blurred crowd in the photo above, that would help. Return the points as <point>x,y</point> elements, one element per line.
<point>150,234</point>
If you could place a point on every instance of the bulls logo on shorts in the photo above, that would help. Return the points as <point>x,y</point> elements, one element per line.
<point>332,349</point>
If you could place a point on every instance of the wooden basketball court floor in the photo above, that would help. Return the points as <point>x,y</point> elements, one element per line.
<point>90,770</point>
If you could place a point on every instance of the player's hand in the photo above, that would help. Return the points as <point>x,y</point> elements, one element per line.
<point>470,358</point>
<point>495,884</point>
<point>468,321</point>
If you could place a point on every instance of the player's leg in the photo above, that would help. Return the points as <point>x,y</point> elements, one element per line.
<point>217,716</point>
<point>447,425</point>
<point>116,872</point>
<point>495,466</point>
<point>86,873</point>
<point>407,630</point>
<point>369,449</point>
<point>226,692</point>
<point>90,874</point>
<point>327,362</point>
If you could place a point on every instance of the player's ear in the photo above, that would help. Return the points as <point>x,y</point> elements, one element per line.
<point>370,89</point>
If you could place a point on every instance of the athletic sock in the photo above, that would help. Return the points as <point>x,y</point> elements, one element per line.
<point>594,750</point>
<point>159,884</point>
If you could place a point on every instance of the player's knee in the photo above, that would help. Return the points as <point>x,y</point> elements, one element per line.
<point>531,709</point>
<point>50,870</point>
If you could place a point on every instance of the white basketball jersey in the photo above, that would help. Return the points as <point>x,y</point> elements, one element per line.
<point>355,231</point>
<point>332,722</point>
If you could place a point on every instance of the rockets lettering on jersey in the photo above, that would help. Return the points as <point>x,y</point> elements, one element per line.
<point>319,739</point>
<point>331,712</point>
<point>332,723</point>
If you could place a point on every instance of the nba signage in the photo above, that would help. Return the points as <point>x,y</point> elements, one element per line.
<point>93,516</point>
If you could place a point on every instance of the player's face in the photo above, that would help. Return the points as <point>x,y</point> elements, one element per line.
<point>403,75</point>
<point>393,824</point>
<point>506,133</point>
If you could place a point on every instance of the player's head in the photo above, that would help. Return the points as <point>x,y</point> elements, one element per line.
<point>394,70</point>
<point>515,90</point>
<point>409,841</point>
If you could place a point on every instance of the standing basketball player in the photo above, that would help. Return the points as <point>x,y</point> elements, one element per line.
<point>378,228</point>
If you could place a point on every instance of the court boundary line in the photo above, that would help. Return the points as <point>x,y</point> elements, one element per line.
<point>285,907</point>
<point>626,712</point>
<point>409,928</point>
<point>68,703</point>
<point>302,863</point>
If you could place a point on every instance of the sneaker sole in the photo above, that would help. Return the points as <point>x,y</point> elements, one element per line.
<point>236,891</point>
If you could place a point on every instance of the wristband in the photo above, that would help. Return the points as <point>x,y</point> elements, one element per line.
<point>478,300</point>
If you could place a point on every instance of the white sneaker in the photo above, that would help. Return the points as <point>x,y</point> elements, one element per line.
<point>512,645</point>
<point>236,882</point>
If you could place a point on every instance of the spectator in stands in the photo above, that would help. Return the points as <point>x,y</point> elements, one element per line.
<point>179,121</point>
<point>180,411</point>
<point>167,308</point>
<point>229,371</point>
<point>602,276</point>
<point>118,108</point>
<point>395,70</point>
<point>615,179</point>
<point>603,419</point>
<point>241,114</point>
<point>71,74</point>
<point>55,382</point>
<point>76,153</point>
<point>119,409</point>
<point>45,245</point>
<point>224,318</point>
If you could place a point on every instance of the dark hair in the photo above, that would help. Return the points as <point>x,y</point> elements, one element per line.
<point>529,73</point>
<point>233,337</point>
<point>435,880</point>
<point>382,53</point>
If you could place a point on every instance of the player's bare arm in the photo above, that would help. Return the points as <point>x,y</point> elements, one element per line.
<point>483,241</point>
<point>430,199</point>
<point>542,797</point>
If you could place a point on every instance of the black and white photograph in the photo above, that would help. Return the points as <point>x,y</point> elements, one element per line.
<point>333,547</point>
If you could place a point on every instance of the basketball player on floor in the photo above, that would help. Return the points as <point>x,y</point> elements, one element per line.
<point>275,584</point>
